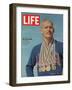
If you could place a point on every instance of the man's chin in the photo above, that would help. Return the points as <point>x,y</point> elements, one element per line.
<point>49,37</point>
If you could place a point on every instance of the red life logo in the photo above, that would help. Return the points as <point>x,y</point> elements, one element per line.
<point>30,20</point>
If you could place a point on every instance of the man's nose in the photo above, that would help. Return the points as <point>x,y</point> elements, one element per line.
<point>49,29</point>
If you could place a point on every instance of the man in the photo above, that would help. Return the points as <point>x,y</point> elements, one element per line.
<point>48,55</point>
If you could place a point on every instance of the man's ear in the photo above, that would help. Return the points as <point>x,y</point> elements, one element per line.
<point>53,30</point>
<point>41,30</point>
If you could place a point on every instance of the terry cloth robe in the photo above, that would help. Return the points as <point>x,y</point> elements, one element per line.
<point>34,59</point>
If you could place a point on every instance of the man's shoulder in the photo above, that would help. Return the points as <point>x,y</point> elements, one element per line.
<point>37,46</point>
<point>59,46</point>
<point>36,49</point>
<point>58,42</point>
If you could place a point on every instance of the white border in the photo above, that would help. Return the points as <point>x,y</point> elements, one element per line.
<point>63,77</point>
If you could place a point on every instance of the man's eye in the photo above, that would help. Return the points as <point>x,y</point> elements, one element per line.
<point>48,27</point>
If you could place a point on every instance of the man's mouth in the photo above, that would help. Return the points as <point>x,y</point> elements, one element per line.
<point>49,33</point>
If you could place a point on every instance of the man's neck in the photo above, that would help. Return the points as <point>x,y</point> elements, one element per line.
<point>48,41</point>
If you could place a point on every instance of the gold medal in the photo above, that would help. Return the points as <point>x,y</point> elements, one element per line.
<point>53,67</point>
<point>47,68</point>
<point>44,68</point>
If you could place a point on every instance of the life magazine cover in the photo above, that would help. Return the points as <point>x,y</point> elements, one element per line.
<point>41,44</point>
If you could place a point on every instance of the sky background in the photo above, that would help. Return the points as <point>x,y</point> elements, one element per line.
<point>33,33</point>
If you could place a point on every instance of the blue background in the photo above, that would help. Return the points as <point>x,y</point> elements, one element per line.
<point>33,32</point>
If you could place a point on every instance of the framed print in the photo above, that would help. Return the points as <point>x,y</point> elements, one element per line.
<point>39,44</point>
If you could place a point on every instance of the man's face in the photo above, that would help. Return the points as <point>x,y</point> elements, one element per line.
<point>47,29</point>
